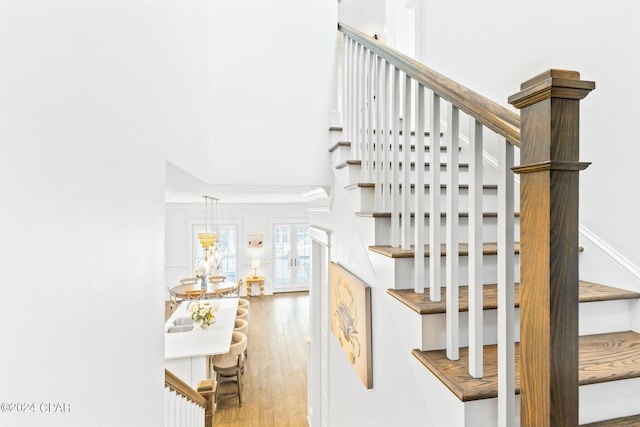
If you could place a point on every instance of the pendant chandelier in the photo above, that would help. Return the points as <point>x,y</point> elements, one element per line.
<point>209,241</point>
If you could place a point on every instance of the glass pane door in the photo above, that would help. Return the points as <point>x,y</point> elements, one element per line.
<point>282,251</point>
<point>292,252</point>
<point>302,262</point>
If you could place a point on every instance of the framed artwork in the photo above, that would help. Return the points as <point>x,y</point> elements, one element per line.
<point>350,314</point>
<point>255,240</point>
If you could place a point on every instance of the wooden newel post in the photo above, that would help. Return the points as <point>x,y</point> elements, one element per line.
<point>549,159</point>
<point>206,389</point>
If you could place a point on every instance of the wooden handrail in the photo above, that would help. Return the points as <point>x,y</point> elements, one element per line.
<point>495,117</point>
<point>176,384</point>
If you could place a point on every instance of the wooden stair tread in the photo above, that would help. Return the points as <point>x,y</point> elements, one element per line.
<point>426,215</point>
<point>603,357</point>
<point>426,164</point>
<point>413,133</point>
<point>632,421</point>
<point>338,145</point>
<point>460,186</point>
<point>488,248</point>
<point>348,163</point>
<point>426,186</point>
<point>421,304</point>
<point>427,148</point>
<point>442,165</point>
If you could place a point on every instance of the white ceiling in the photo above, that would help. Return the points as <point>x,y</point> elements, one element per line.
<point>182,187</point>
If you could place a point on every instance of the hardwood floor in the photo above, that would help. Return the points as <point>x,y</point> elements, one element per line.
<point>275,380</point>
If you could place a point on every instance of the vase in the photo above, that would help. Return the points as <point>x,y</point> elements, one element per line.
<point>206,324</point>
<point>203,282</point>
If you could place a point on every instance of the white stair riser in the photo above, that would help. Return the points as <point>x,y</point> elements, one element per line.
<point>608,400</point>
<point>348,175</point>
<point>376,231</point>
<point>340,155</point>
<point>434,329</point>
<point>597,402</point>
<point>489,199</point>
<point>354,174</point>
<point>343,153</point>
<point>397,273</point>
<point>605,316</point>
<point>594,317</point>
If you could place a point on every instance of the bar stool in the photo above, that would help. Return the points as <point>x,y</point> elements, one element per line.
<point>242,313</point>
<point>243,326</point>
<point>243,303</point>
<point>229,367</point>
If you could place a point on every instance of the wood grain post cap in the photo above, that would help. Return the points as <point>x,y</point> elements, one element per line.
<point>552,83</point>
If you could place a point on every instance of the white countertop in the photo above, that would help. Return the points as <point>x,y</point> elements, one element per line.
<point>198,341</point>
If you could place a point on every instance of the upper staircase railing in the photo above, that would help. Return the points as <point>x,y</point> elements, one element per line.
<point>388,97</point>
<point>186,407</point>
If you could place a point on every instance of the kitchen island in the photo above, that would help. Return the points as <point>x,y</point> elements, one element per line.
<point>186,349</point>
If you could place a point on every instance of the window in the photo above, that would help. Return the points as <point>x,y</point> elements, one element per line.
<point>228,238</point>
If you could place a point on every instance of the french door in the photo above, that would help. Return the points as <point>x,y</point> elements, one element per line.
<point>292,253</point>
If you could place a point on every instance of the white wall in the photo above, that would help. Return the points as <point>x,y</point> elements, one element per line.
<point>273,85</point>
<point>251,219</point>
<point>391,20</point>
<point>94,96</point>
<point>508,42</point>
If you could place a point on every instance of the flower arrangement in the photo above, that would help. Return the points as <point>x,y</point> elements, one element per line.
<point>203,312</point>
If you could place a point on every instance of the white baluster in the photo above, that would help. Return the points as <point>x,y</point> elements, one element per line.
<point>353,104</point>
<point>434,200</point>
<point>367,128</point>
<point>185,409</point>
<point>348,63</point>
<point>373,107</point>
<point>167,407</point>
<point>387,138</point>
<point>197,416</point>
<point>419,231</point>
<point>452,282</point>
<point>476,358</point>
<point>359,106</point>
<point>506,310</point>
<point>395,158</point>
<point>180,411</point>
<point>380,145</point>
<point>405,218</point>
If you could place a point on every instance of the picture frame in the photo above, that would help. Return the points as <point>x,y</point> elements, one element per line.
<point>350,314</point>
<point>255,240</point>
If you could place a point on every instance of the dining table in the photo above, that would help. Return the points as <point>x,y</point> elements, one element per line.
<point>195,291</point>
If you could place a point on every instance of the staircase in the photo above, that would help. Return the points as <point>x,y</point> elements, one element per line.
<point>392,205</point>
